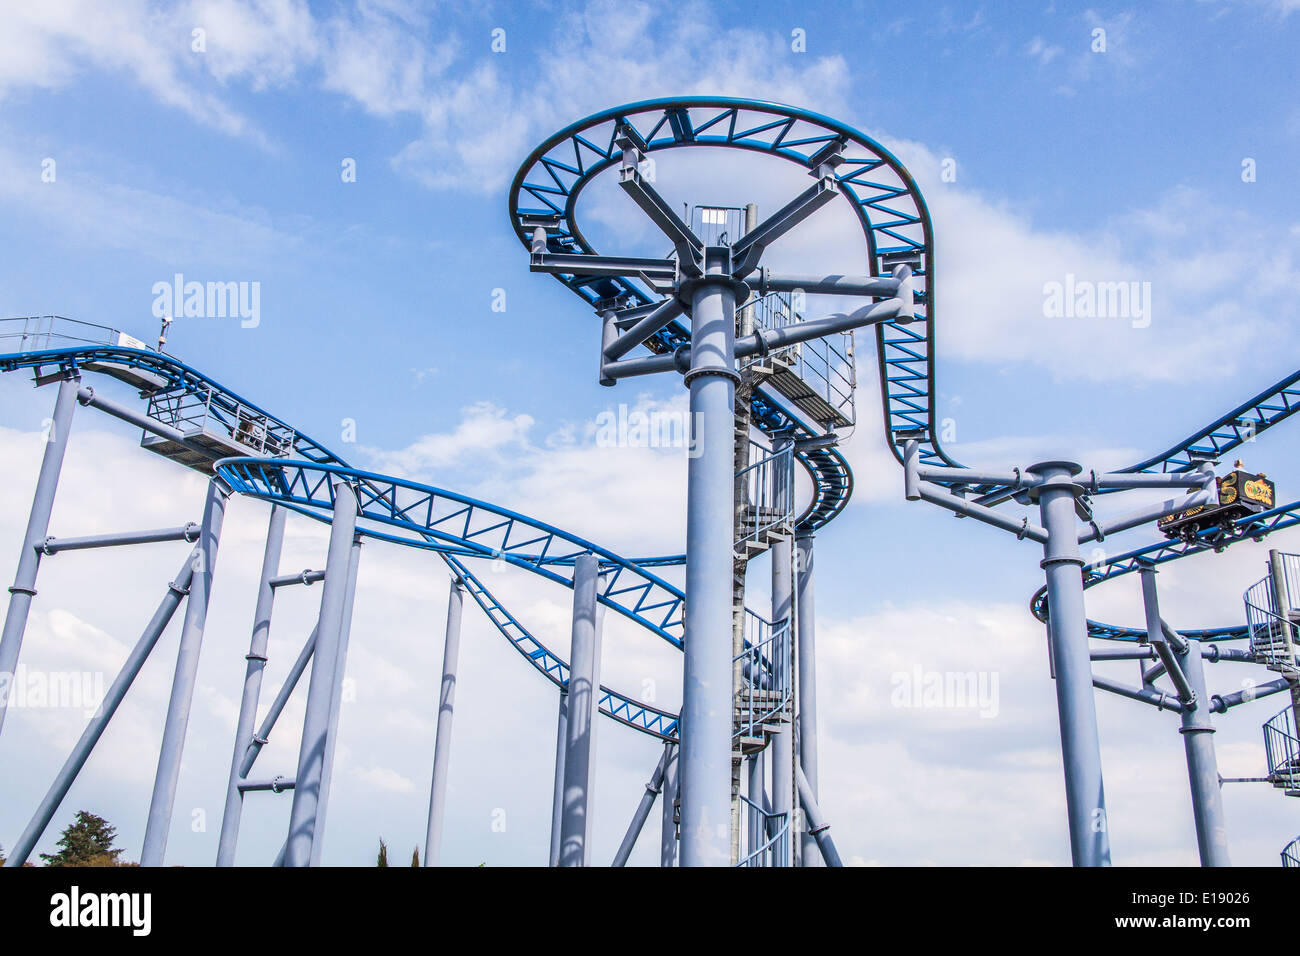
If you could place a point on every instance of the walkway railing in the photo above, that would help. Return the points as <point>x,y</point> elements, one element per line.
<point>767,832</point>
<point>204,409</point>
<point>767,669</point>
<point>767,489</point>
<point>1283,750</point>
<point>1291,853</point>
<point>35,333</point>
<point>1271,628</point>
<point>825,365</point>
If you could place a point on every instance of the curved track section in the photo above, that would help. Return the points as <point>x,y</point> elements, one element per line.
<point>892,214</point>
<point>1254,527</point>
<point>634,713</point>
<point>894,219</point>
<point>416,513</point>
<point>153,371</point>
<point>156,371</point>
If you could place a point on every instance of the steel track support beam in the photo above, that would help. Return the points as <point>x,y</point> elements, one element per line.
<point>643,808</point>
<point>817,825</point>
<point>38,529</point>
<point>100,720</point>
<point>668,820</point>
<point>263,734</point>
<point>706,719</point>
<point>557,793</point>
<point>1067,628</point>
<point>187,667</point>
<point>748,250</point>
<point>584,694</point>
<point>1197,730</point>
<point>256,658</point>
<point>322,687</point>
<point>1203,767</point>
<point>806,691</point>
<point>689,248</point>
<point>336,702</point>
<point>442,737</point>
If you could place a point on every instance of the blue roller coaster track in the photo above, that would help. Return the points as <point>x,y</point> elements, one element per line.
<point>895,226</point>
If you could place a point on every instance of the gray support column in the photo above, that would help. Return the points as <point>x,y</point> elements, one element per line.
<point>183,681</point>
<point>783,782</point>
<point>38,529</point>
<point>322,686</point>
<point>336,703</point>
<point>757,832</point>
<point>557,794</point>
<point>442,738</point>
<point>668,822</point>
<point>706,720</point>
<point>806,696</point>
<point>1068,631</point>
<point>99,722</point>
<point>584,684</point>
<point>256,657</point>
<point>643,808</point>
<point>1202,766</point>
<point>1198,738</point>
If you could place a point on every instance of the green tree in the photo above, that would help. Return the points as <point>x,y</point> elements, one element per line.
<point>86,841</point>
<point>415,857</point>
<point>383,853</point>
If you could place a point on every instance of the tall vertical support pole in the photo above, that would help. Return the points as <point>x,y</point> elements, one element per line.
<point>322,686</point>
<point>442,738</point>
<point>1198,738</point>
<point>1068,632</point>
<point>183,681</point>
<point>706,719</point>
<point>336,703</point>
<point>1282,601</point>
<point>806,649</point>
<point>757,832</point>
<point>584,688</point>
<point>783,780</point>
<point>38,529</point>
<point>256,657</point>
<point>557,796</point>
<point>668,822</point>
<point>1202,765</point>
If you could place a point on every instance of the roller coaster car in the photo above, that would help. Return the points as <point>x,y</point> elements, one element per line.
<point>1240,494</point>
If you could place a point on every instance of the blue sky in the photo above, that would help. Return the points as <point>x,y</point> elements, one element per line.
<point>376,300</point>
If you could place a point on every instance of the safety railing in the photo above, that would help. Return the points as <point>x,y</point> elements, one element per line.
<point>1291,853</point>
<point>1272,628</point>
<point>37,333</point>
<point>766,665</point>
<point>717,225</point>
<point>768,834</point>
<point>208,410</point>
<point>766,489</point>
<point>1283,751</point>
<point>826,365</point>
